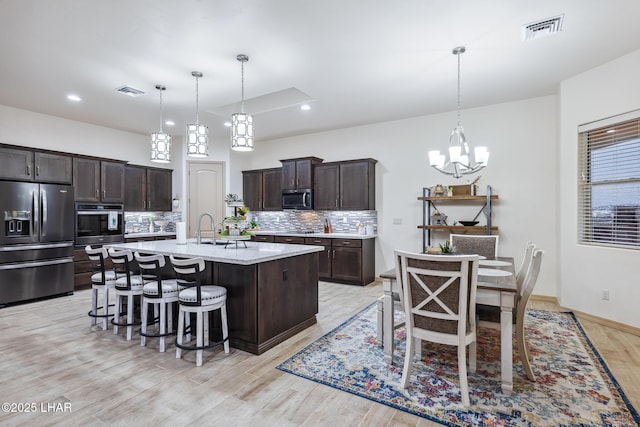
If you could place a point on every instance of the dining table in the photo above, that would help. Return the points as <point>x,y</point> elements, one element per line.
<point>496,287</point>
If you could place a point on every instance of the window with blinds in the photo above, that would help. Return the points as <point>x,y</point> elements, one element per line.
<point>609,182</point>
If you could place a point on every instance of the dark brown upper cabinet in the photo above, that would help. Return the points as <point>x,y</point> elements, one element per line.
<point>298,173</point>
<point>261,189</point>
<point>33,165</point>
<point>348,185</point>
<point>147,189</point>
<point>98,181</point>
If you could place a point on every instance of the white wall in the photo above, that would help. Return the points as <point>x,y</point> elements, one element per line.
<point>521,137</point>
<point>605,91</point>
<point>29,129</point>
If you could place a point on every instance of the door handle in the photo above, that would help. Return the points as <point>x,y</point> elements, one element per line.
<point>43,204</point>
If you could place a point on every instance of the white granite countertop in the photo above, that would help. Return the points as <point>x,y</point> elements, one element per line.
<point>254,253</point>
<point>147,234</point>
<point>318,234</point>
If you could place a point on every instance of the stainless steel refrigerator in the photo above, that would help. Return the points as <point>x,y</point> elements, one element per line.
<point>36,240</point>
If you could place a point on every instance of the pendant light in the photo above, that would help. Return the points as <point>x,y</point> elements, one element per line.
<point>160,141</point>
<point>242,123</point>
<point>459,163</point>
<point>197,134</point>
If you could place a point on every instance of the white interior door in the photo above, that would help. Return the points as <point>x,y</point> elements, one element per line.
<point>206,194</point>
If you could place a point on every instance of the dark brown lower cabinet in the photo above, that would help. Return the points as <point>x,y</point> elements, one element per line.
<point>263,238</point>
<point>350,261</point>
<point>324,260</point>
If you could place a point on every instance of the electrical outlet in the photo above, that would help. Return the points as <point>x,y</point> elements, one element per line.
<point>605,294</point>
<point>397,220</point>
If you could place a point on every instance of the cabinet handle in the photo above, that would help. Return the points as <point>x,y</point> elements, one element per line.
<point>37,170</point>
<point>341,202</point>
<point>346,243</point>
<point>97,194</point>
<point>328,254</point>
<point>336,203</point>
<point>104,194</point>
<point>334,254</point>
<point>28,169</point>
<point>144,204</point>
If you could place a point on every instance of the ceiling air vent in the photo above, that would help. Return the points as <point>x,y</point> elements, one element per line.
<point>129,91</point>
<point>546,27</point>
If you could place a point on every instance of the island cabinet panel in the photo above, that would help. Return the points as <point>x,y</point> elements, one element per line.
<point>241,282</point>
<point>270,301</point>
<point>287,295</point>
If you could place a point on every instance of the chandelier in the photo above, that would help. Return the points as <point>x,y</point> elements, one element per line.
<point>197,139</point>
<point>459,163</point>
<point>160,141</point>
<point>241,123</point>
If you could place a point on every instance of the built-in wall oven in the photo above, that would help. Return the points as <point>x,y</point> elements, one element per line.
<point>98,224</point>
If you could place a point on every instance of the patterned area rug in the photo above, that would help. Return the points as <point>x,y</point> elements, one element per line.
<point>574,387</point>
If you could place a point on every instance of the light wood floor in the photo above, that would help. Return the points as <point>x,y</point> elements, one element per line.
<point>49,354</point>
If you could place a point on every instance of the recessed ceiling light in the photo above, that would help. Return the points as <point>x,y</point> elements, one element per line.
<point>170,123</point>
<point>72,97</point>
<point>227,124</point>
<point>611,131</point>
<point>305,107</point>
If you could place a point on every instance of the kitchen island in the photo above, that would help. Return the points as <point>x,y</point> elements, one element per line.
<point>272,288</point>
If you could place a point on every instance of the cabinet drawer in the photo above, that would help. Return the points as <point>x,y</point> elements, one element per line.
<point>347,243</point>
<point>263,238</point>
<point>290,239</point>
<point>317,241</point>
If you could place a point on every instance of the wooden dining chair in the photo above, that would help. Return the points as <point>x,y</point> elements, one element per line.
<point>439,294</point>
<point>488,314</point>
<point>526,262</point>
<point>484,245</point>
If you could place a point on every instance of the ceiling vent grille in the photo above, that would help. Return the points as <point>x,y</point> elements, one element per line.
<point>544,28</point>
<point>129,91</point>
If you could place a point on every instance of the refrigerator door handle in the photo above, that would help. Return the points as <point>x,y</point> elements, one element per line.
<point>43,204</point>
<point>35,217</point>
<point>35,264</point>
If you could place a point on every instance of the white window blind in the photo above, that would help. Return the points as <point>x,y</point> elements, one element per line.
<point>609,184</point>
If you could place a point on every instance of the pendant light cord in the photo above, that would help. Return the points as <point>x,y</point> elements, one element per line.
<point>160,89</point>
<point>458,55</point>
<point>242,84</point>
<point>197,121</point>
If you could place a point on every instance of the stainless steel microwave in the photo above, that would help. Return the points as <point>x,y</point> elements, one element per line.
<point>297,199</point>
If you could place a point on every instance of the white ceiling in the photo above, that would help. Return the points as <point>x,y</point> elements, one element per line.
<point>359,61</point>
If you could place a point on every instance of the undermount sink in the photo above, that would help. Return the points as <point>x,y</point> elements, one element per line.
<point>211,242</point>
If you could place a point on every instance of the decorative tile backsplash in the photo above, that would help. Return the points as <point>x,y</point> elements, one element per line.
<point>138,222</point>
<point>341,221</point>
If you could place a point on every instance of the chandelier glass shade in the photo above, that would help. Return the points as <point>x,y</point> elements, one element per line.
<point>197,134</point>
<point>242,123</point>
<point>459,162</point>
<point>160,141</point>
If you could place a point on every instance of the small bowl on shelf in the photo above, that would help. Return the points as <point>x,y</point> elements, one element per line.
<point>468,223</point>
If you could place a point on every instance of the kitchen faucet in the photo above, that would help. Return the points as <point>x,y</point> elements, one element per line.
<point>199,237</point>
